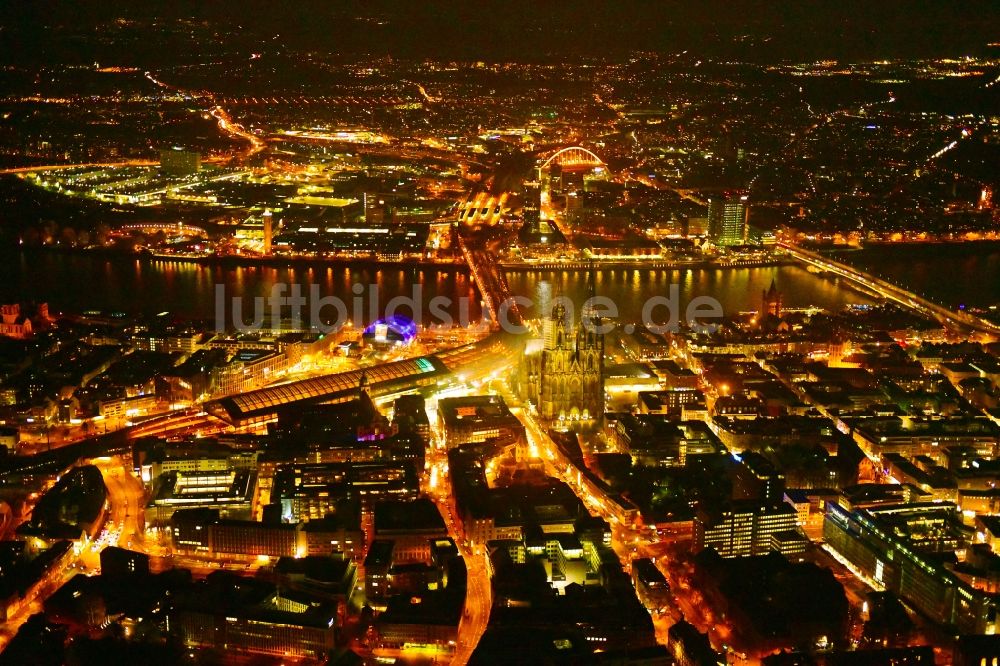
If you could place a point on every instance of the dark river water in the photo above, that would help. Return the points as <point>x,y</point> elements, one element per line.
<point>952,273</point>
<point>75,282</point>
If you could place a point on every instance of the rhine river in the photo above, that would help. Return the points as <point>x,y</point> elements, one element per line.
<point>76,282</point>
<point>954,274</point>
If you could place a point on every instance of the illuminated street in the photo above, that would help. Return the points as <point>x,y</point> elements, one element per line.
<point>379,333</point>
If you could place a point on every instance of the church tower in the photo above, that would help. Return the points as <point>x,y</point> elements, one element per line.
<point>565,377</point>
<point>770,303</point>
<point>554,329</point>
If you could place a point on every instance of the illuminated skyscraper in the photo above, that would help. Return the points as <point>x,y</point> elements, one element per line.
<point>179,162</point>
<point>986,198</point>
<point>268,231</point>
<point>727,219</point>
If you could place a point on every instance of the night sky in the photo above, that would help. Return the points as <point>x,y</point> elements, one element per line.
<point>754,30</point>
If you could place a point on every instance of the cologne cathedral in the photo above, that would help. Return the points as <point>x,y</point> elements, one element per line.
<point>563,373</point>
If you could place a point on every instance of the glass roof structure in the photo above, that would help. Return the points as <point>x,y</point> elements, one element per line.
<point>263,404</point>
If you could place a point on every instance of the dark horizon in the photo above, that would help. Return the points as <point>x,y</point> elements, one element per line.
<point>746,30</point>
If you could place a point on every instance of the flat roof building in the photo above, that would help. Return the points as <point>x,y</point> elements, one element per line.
<point>744,529</point>
<point>479,418</point>
<point>902,548</point>
<point>229,491</point>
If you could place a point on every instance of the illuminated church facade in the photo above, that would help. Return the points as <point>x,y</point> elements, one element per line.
<point>563,373</point>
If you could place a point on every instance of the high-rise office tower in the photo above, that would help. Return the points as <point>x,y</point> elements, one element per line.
<point>268,230</point>
<point>727,219</point>
<point>176,161</point>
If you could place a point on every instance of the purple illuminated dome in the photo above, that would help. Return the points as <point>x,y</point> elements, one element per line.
<point>394,330</point>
